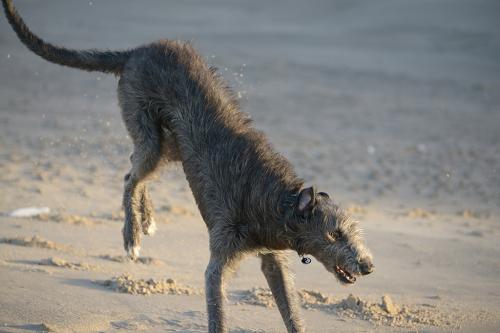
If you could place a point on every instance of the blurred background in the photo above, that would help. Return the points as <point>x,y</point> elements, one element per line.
<point>392,107</point>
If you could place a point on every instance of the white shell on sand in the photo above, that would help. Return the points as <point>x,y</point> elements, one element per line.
<point>29,211</point>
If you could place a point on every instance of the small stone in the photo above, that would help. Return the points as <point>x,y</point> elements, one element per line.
<point>388,305</point>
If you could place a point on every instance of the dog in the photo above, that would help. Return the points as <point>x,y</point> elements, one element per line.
<point>178,109</point>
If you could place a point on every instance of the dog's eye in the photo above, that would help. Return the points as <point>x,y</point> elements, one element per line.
<point>323,194</point>
<point>334,235</point>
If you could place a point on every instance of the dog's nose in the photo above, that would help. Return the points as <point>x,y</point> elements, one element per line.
<point>366,268</point>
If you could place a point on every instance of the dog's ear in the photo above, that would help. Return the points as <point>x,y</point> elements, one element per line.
<point>306,201</point>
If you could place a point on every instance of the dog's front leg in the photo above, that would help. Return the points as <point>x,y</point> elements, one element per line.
<point>214,289</point>
<point>275,269</point>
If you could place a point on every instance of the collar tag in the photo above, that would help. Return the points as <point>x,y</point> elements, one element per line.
<point>306,260</point>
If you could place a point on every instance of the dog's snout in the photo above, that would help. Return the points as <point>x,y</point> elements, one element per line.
<point>366,268</point>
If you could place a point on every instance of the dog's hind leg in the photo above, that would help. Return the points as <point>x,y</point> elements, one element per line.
<point>170,153</point>
<point>275,269</point>
<point>145,160</point>
<point>148,222</point>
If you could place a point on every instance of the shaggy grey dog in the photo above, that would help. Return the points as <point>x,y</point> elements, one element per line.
<point>177,108</point>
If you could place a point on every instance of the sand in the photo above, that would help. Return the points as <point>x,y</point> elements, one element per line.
<point>385,313</point>
<point>391,107</point>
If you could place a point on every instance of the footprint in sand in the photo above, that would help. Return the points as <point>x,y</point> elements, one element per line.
<point>126,259</point>
<point>68,219</point>
<point>470,214</point>
<point>356,210</point>
<point>419,213</point>
<point>176,210</point>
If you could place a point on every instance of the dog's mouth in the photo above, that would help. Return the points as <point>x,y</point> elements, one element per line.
<point>344,276</point>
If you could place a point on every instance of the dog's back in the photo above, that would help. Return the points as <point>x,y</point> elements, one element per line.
<point>168,84</point>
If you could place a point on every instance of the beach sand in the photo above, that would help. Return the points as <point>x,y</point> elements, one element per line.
<point>392,107</point>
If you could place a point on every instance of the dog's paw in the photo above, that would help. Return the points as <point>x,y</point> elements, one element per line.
<point>151,230</point>
<point>131,242</point>
<point>133,252</point>
<point>149,227</point>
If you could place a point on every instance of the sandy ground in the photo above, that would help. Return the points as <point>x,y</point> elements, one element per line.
<point>390,106</point>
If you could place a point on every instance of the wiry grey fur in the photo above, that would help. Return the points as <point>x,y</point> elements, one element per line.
<point>177,108</point>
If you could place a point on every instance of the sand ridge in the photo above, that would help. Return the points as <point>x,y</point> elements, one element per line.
<point>125,283</point>
<point>34,241</point>
<point>61,263</point>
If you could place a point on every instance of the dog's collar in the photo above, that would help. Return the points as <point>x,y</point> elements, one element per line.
<point>288,212</point>
<point>305,260</point>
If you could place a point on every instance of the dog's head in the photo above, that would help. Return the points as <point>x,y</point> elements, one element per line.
<point>320,228</point>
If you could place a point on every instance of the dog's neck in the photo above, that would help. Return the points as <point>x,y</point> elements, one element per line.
<point>277,232</point>
<point>289,234</point>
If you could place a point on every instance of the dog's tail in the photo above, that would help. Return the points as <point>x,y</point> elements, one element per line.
<point>89,60</point>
